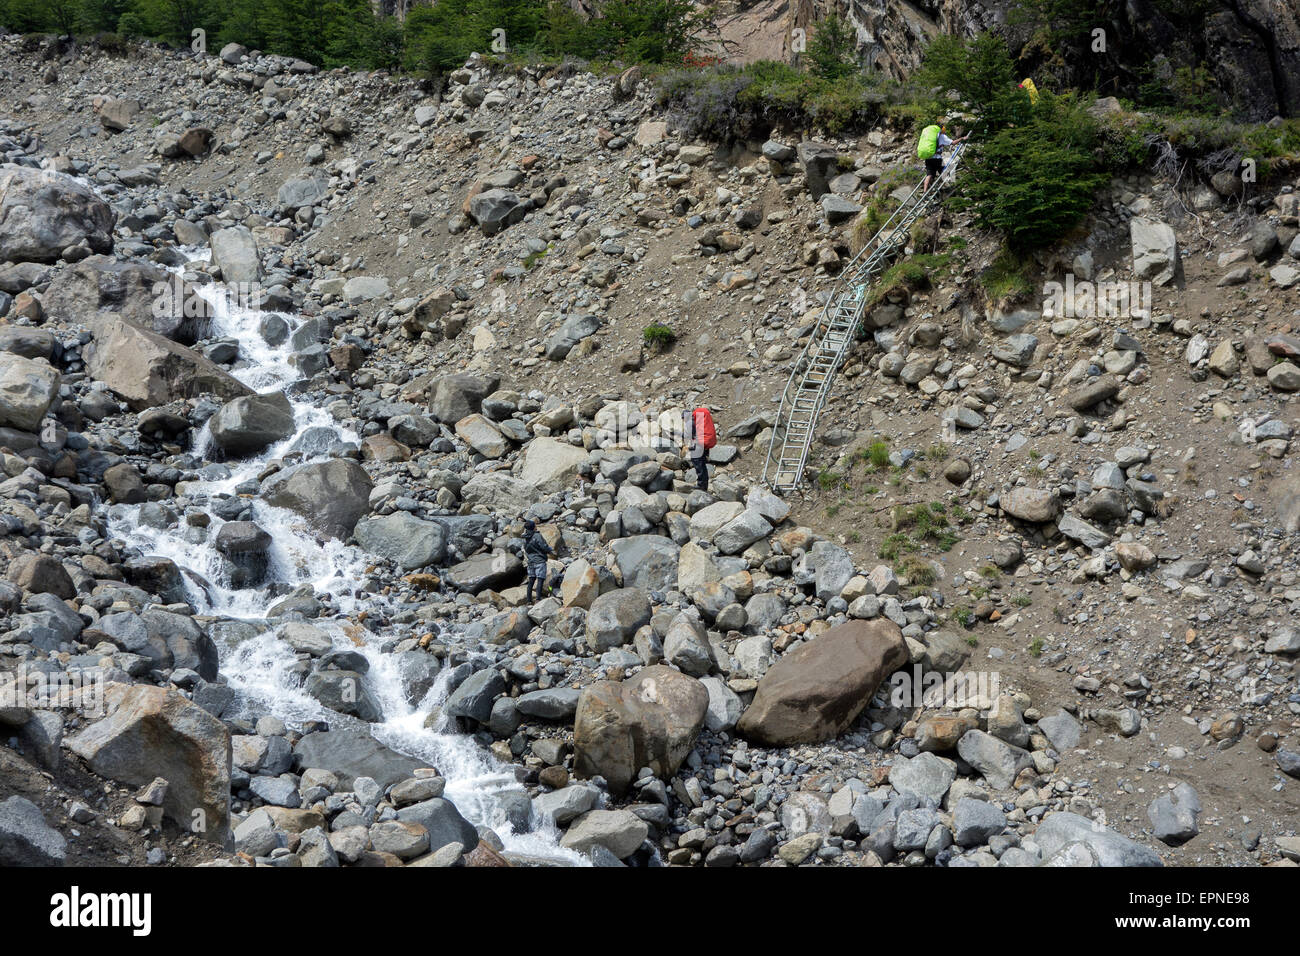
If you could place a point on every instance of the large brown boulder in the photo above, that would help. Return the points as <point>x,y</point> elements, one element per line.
<point>41,574</point>
<point>146,370</point>
<point>155,732</point>
<point>816,691</point>
<point>650,720</point>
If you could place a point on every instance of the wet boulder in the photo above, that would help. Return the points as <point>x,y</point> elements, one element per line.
<point>349,751</point>
<point>247,547</point>
<point>331,495</point>
<point>157,575</point>
<point>247,425</point>
<point>345,691</point>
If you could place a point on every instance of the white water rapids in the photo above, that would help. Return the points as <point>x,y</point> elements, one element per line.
<point>259,669</point>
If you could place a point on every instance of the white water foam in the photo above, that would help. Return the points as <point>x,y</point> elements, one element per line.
<point>261,669</point>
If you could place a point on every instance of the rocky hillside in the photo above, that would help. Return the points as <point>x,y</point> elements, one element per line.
<point>288,357</point>
<point>1251,48</point>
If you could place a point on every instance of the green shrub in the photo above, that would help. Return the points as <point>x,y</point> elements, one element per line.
<point>130,26</point>
<point>1035,181</point>
<point>658,336</point>
<point>832,52</point>
<point>731,104</point>
<point>983,75</point>
<point>911,274</point>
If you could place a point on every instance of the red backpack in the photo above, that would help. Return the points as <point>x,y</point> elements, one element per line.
<point>705,433</point>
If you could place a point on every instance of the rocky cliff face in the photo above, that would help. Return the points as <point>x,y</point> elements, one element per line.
<point>1250,47</point>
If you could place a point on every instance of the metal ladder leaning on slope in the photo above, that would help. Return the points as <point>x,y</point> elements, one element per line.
<point>828,346</point>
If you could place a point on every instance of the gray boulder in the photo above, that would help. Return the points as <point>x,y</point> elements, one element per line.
<point>330,495</point>
<point>28,387</point>
<point>443,822</point>
<point>742,531</point>
<point>43,212</point>
<point>998,761</point>
<point>925,775</point>
<point>301,191</point>
<point>141,292</point>
<point>1155,250</point>
<point>245,426</point>
<point>25,838</point>
<point>1105,847</point>
<point>349,751</point>
<point>621,832</point>
<point>453,397</point>
<point>614,618</point>
<point>570,333</point>
<point>234,250</point>
<point>647,561</point>
<point>975,821</point>
<point>820,164</point>
<point>555,703</point>
<point>474,697</point>
<point>484,571</point>
<point>404,539</point>
<point>1174,815</point>
<point>496,209</point>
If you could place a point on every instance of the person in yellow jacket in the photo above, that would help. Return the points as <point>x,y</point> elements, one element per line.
<point>1028,86</point>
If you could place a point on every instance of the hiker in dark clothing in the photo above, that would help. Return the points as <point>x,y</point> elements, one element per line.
<point>536,551</point>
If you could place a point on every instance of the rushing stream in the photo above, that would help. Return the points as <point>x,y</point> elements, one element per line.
<point>260,668</point>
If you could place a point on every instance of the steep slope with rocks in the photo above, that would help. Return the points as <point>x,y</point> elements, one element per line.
<point>287,357</point>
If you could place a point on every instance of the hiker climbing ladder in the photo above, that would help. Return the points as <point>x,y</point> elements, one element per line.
<point>828,346</point>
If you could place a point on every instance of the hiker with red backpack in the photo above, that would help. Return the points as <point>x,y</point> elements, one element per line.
<point>700,436</point>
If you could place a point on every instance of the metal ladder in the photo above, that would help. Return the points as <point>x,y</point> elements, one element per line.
<point>832,338</point>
